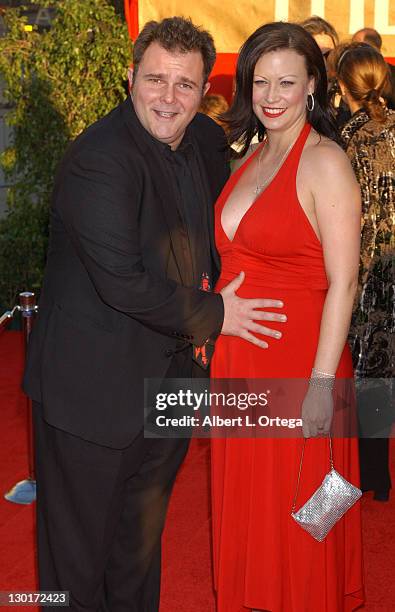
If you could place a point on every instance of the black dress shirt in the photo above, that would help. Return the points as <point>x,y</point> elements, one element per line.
<point>183,170</point>
<point>192,207</point>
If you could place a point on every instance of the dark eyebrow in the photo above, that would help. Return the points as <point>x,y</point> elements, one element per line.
<point>153,75</point>
<point>190,81</point>
<point>294,76</point>
<point>184,79</point>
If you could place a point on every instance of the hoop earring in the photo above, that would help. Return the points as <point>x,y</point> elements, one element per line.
<point>311,107</point>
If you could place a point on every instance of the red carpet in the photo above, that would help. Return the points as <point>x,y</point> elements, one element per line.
<point>187,585</point>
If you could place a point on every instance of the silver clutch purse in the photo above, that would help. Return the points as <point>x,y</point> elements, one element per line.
<point>328,503</point>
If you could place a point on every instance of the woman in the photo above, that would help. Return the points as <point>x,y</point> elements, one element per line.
<point>288,219</point>
<point>369,140</point>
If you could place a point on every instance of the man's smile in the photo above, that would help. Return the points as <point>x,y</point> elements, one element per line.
<point>165,114</point>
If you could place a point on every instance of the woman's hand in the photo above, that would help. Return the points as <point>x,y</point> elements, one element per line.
<point>317,412</point>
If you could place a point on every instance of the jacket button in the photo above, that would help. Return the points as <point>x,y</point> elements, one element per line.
<point>169,352</point>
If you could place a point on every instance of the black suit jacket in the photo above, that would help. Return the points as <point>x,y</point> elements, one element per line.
<point>116,296</point>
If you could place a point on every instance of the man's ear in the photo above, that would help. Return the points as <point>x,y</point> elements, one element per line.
<point>206,88</point>
<point>130,78</point>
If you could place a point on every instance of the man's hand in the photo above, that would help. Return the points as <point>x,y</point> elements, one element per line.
<point>241,315</point>
<point>317,412</point>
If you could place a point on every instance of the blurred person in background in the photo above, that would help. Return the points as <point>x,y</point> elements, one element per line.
<point>373,38</point>
<point>369,141</point>
<point>327,39</point>
<point>214,105</point>
<point>323,33</point>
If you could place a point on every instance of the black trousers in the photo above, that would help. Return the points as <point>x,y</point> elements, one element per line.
<point>100,517</point>
<point>374,464</point>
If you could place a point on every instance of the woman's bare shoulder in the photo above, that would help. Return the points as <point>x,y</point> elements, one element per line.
<point>325,167</point>
<point>323,155</point>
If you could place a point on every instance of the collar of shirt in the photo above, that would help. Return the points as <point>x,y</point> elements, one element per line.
<point>183,153</point>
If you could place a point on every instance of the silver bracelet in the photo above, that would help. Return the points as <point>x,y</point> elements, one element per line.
<point>322,383</point>
<point>322,380</point>
<point>319,374</point>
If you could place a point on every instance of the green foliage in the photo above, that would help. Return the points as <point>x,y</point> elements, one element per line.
<point>57,82</point>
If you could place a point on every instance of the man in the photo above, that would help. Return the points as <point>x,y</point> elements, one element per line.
<point>371,37</point>
<point>323,33</point>
<point>131,243</point>
<point>327,39</point>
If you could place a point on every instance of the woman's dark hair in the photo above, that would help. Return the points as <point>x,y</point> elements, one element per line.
<point>365,75</point>
<point>242,122</point>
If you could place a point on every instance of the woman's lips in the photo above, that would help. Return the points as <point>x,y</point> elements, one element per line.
<point>273,112</point>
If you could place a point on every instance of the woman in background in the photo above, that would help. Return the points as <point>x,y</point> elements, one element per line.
<point>369,141</point>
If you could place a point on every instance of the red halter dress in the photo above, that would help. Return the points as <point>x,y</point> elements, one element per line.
<point>263,560</point>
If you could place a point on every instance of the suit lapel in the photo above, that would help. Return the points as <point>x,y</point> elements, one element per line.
<point>209,204</point>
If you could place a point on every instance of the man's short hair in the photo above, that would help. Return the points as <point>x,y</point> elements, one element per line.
<point>176,34</point>
<point>369,36</point>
